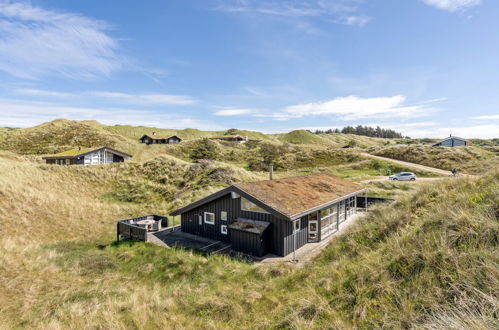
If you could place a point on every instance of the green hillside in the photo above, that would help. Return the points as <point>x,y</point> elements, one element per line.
<point>301,137</point>
<point>341,140</point>
<point>135,132</point>
<point>468,159</point>
<point>427,261</point>
<point>59,135</point>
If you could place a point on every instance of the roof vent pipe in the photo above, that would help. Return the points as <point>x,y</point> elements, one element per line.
<point>271,170</point>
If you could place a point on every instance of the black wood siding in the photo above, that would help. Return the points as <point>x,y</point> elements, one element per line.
<point>280,232</point>
<point>251,243</point>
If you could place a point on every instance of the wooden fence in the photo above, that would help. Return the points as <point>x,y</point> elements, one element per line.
<point>361,201</point>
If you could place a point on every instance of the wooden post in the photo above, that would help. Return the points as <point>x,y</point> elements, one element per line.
<point>294,245</point>
<point>337,217</point>
<point>365,194</point>
<point>117,231</point>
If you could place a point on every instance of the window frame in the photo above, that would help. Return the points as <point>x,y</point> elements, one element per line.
<point>243,209</point>
<point>224,215</point>
<point>296,222</point>
<point>208,222</point>
<point>223,229</point>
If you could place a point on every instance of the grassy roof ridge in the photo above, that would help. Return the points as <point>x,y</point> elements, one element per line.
<point>76,151</point>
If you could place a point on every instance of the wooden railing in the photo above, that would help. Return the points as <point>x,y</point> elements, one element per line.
<point>128,229</point>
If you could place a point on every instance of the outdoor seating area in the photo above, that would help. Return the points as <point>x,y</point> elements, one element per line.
<point>138,228</point>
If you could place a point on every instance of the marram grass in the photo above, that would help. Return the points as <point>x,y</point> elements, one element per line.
<point>428,261</point>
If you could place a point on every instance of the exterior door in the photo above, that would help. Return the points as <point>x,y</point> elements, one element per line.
<point>313,228</point>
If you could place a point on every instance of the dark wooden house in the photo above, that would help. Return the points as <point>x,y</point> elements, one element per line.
<point>159,139</point>
<point>273,216</point>
<point>232,138</point>
<point>452,141</point>
<point>88,156</point>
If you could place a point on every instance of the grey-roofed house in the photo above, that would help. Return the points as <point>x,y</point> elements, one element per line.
<point>452,141</point>
<point>87,156</point>
<point>159,139</point>
<point>273,216</point>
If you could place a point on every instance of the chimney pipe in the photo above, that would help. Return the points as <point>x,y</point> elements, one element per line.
<point>271,170</point>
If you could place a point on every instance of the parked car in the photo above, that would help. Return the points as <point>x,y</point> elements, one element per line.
<point>403,176</point>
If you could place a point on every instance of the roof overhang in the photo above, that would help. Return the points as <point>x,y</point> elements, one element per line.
<point>224,192</point>
<point>111,150</point>
<point>449,138</point>
<point>255,200</point>
<point>319,207</point>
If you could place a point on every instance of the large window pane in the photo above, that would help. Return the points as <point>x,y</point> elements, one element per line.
<point>246,205</point>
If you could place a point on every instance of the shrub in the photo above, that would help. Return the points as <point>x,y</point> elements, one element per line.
<point>205,149</point>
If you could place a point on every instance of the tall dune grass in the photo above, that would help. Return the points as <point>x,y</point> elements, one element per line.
<point>428,260</point>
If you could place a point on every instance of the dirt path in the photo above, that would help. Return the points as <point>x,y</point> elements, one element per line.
<point>413,165</point>
<point>385,178</point>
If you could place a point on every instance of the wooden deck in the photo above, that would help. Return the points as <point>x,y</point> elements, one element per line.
<point>172,236</point>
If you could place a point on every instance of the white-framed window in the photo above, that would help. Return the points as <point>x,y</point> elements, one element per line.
<point>246,205</point>
<point>223,215</point>
<point>296,225</point>
<point>223,229</point>
<point>209,218</point>
<point>68,161</point>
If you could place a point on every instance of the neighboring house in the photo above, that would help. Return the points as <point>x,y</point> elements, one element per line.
<point>452,141</point>
<point>273,216</point>
<point>88,156</point>
<point>159,139</point>
<point>232,138</point>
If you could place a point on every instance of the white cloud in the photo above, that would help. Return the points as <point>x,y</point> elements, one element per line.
<point>20,113</point>
<point>487,117</point>
<point>146,99</point>
<point>140,99</point>
<point>35,42</point>
<point>355,108</point>
<point>467,132</point>
<point>233,112</point>
<point>41,92</point>
<point>423,129</point>
<point>339,11</point>
<point>452,5</point>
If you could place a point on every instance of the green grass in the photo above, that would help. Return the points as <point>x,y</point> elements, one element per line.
<point>301,137</point>
<point>468,159</point>
<point>429,255</point>
<point>427,261</point>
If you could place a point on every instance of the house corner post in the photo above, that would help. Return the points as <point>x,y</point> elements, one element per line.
<point>365,200</point>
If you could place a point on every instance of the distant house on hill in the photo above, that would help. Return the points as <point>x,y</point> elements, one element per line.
<point>159,139</point>
<point>232,138</point>
<point>273,216</point>
<point>452,141</point>
<point>88,156</point>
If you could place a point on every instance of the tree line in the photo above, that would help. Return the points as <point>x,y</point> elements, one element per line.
<point>363,130</point>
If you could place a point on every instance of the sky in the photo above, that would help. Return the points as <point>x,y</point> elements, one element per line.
<point>426,68</point>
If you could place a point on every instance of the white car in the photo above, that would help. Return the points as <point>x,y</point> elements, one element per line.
<point>403,176</point>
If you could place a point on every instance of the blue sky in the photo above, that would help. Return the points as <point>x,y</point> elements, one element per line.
<point>427,68</point>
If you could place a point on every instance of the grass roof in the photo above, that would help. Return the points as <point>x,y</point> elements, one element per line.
<point>75,152</point>
<point>294,195</point>
<point>160,136</point>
